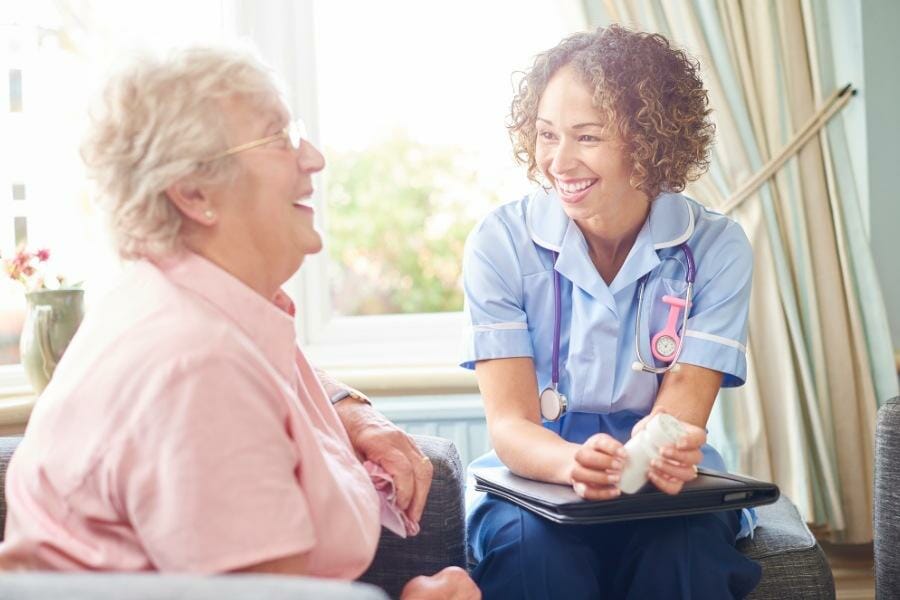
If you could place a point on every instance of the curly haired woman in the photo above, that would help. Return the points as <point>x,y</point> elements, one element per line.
<point>564,295</point>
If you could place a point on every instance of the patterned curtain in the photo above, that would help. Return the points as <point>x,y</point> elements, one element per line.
<point>819,351</point>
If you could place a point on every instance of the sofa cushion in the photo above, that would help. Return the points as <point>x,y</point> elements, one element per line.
<point>793,564</point>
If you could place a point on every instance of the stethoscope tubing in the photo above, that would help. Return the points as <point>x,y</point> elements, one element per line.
<point>640,364</point>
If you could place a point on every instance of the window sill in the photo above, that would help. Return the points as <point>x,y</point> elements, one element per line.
<point>15,408</point>
<point>406,381</point>
<point>16,403</point>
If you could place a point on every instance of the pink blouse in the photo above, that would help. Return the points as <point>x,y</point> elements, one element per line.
<point>184,430</point>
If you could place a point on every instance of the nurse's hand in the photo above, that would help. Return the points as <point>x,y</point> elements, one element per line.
<point>676,465</point>
<point>598,468</point>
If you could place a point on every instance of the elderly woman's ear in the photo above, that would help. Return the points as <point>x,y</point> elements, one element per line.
<point>192,201</point>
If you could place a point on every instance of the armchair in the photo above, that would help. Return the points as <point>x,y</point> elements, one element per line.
<point>887,501</point>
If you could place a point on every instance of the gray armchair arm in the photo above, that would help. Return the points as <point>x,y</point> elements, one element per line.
<point>7,447</point>
<point>441,542</point>
<point>887,501</point>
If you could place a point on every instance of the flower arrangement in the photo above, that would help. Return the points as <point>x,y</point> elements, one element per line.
<point>33,270</point>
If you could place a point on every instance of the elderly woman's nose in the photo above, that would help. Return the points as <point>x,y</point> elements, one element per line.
<point>309,158</point>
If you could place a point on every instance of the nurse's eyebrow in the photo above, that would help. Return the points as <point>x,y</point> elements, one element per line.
<point>577,126</point>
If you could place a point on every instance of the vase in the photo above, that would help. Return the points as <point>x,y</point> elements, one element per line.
<point>53,317</point>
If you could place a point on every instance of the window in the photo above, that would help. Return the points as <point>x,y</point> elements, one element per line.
<point>407,100</point>
<point>411,100</point>
<point>52,56</point>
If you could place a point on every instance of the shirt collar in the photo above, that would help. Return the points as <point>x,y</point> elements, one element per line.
<point>670,223</point>
<point>268,323</point>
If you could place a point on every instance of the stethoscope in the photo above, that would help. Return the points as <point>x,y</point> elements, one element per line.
<point>665,346</point>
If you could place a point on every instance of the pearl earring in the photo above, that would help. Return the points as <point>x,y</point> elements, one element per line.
<point>209,214</point>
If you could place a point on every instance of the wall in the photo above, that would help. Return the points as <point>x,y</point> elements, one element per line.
<point>879,22</point>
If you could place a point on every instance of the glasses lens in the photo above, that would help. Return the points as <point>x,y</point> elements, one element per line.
<point>297,132</point>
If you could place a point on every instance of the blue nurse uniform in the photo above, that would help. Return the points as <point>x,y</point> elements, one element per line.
<point>509,304</point>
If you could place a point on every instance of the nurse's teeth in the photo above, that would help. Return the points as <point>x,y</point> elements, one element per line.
<point>572,188</point>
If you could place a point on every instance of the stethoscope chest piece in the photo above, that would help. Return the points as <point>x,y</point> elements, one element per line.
<point>553,404</point>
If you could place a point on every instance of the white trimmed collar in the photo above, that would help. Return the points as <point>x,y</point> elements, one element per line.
<point>671,220</point>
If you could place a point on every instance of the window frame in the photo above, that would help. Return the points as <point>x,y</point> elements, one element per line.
<point>411,351</point>
<point>285,34</point>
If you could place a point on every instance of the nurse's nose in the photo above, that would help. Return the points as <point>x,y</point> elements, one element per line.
<point>564,158</point>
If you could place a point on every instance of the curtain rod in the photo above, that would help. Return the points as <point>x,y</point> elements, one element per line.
<point>833,104</point>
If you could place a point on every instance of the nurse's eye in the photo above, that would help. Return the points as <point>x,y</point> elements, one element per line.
<point>547,136</point>
<point>592,139</point>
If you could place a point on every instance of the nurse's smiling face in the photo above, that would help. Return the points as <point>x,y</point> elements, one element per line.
<point>583,161</point>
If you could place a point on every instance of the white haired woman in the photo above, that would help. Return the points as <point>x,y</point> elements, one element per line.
<point>185,430</point>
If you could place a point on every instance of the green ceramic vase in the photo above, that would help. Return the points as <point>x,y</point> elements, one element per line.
<point>52,319</point>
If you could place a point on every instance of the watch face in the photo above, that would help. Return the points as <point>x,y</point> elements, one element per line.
<point>665,345</point>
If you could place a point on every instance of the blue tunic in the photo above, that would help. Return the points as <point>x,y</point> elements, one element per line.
<point>509,305</point>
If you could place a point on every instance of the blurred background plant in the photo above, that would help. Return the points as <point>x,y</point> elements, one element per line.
<point>398,213</point>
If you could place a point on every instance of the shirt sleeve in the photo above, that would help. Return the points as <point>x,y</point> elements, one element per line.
<point>496,323</point>
<point>210,480</point>
<point>716,336</point>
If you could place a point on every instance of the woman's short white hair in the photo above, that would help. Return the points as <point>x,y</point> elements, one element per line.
<point>155,123</point>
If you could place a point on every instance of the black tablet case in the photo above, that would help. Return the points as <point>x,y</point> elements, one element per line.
<point>711,491</point>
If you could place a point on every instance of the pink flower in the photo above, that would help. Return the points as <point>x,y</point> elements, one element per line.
<point>21,259</point>
<point>31,269</point>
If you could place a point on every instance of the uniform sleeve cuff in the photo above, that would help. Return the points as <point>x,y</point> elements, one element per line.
<point>720,357</point>
<point>501,343</point>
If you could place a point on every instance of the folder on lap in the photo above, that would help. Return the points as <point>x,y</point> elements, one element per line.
<point>711,491</point>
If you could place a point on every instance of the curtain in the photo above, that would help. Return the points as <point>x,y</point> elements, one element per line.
<point>819,354</point>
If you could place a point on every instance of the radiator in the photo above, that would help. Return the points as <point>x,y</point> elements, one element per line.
<point>457,417</point>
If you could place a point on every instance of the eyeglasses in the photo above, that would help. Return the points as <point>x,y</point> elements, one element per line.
<point>294,133</point>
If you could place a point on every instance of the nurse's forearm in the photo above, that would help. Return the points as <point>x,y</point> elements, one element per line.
<point>509,389</point>
<point>689,393</point>
<point>532,451</point>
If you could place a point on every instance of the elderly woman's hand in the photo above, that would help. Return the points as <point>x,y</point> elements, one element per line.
<point>676,465</point>
<point>377,439</point>
<point>451,583</point>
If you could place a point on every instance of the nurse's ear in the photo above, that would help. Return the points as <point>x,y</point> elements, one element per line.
<point>193,201</point>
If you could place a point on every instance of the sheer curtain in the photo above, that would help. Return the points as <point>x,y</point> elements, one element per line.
<point>820,359</point>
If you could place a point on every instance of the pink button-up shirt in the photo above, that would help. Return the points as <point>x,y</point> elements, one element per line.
<point>185,431</point>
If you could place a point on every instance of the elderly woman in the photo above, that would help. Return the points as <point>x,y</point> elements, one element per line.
<point>570,293</point>
<point>185,430</point>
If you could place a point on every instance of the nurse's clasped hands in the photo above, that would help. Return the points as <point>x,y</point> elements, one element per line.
<point>676,465</point>
<point>598,468</point>
<point>599,462</point>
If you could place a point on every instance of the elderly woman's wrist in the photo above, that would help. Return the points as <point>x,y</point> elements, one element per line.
<point>345,394</point>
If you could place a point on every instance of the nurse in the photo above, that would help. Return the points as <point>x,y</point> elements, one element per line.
<point>612,124</point>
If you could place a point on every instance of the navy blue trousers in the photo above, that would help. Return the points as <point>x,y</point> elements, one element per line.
<point>521,555</point>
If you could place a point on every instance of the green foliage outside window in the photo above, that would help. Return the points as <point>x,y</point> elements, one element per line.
<point>398,214</point>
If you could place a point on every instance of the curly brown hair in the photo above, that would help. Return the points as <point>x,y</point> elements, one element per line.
<point>649,93</point>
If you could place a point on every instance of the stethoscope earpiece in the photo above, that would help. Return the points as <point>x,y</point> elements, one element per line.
<point>637,366</point>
